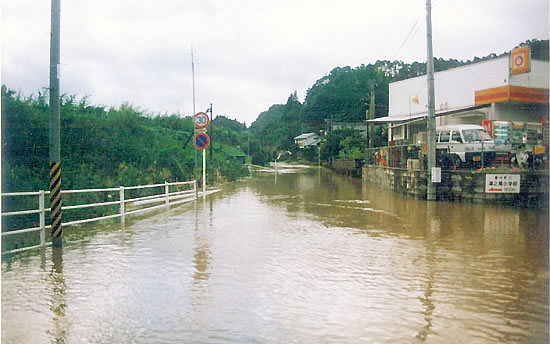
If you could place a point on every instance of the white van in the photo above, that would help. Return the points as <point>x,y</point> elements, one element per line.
<point>464,143</point>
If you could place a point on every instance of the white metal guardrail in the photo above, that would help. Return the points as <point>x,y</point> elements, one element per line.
<point>166,197</point>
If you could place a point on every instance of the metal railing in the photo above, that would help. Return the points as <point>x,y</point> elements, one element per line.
<point>166,197</point>
<point>481,154</point>
<point>392,156</point>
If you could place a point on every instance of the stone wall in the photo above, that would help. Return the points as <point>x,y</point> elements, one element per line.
<point>468,186</point>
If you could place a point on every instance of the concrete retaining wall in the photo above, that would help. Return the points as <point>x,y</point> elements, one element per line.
<point>466,186</point>
<point>349,167</point>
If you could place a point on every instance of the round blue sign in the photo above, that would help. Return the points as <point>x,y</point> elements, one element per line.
<point>202,141</point>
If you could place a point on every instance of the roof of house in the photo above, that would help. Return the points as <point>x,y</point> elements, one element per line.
<point>305,136</point>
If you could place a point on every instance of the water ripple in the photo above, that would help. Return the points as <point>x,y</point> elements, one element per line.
<point>287,263</point>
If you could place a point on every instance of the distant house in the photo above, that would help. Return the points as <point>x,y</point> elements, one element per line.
<point>306,140</point>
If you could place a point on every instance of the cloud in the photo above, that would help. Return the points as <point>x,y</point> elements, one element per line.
<point>492,26</point>
<point>248,54</point>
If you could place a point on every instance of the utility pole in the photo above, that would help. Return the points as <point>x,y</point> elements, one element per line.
<point>55,124</point>
<point>431,103</point>
<point>371,113</point>
<point>211,136</point>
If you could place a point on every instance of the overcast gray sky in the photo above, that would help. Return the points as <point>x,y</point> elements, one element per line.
<point>249,54</point>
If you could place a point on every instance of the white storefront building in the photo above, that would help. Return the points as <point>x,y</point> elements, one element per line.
<point>508,88</point>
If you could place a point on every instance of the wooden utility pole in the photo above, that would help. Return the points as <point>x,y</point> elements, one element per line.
<point>55,123</point>
<point>431,103</point>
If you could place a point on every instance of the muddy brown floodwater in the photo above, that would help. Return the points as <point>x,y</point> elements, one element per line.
<point>307,257</point>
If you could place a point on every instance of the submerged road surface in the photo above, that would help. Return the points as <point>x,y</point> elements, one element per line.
<point>306,257</point>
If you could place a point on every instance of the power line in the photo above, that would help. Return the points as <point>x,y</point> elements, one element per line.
<point>412,33</point>
<point>409,37</point>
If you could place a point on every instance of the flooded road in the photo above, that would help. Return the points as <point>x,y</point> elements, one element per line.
<point>307,257</point>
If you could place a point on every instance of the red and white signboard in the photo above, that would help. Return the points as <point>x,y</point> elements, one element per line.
<point>201,120</point>
<point>520,60</point>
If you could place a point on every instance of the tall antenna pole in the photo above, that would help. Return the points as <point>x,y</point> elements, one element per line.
<point>55,139</point>
<point>193,77</point>
<point>431,103</point>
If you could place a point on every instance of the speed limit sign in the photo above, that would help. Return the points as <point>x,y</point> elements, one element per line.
<point>201,120</point>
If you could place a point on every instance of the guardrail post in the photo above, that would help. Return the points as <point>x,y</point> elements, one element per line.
<point>167,193</point>
<point>42,209</point>
<point>122,219</point>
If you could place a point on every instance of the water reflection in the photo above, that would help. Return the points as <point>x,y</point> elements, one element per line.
<point>201,256</point>
<point>427,299</point>
<point>58,301</point>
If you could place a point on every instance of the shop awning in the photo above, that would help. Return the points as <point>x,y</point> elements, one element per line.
<point>393,119</point>
<point>423,115</point>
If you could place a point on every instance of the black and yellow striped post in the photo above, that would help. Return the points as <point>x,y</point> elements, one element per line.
<point>56,203</point>
<point>55,140</point>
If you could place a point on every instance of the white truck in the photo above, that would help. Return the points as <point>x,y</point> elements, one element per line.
<point>466,143</point>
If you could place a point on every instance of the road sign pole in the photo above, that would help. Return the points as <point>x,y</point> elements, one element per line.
<point>202,141</point>
<point>204,173</point>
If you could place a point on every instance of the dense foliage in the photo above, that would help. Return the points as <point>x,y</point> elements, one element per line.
<point>100,147</point>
